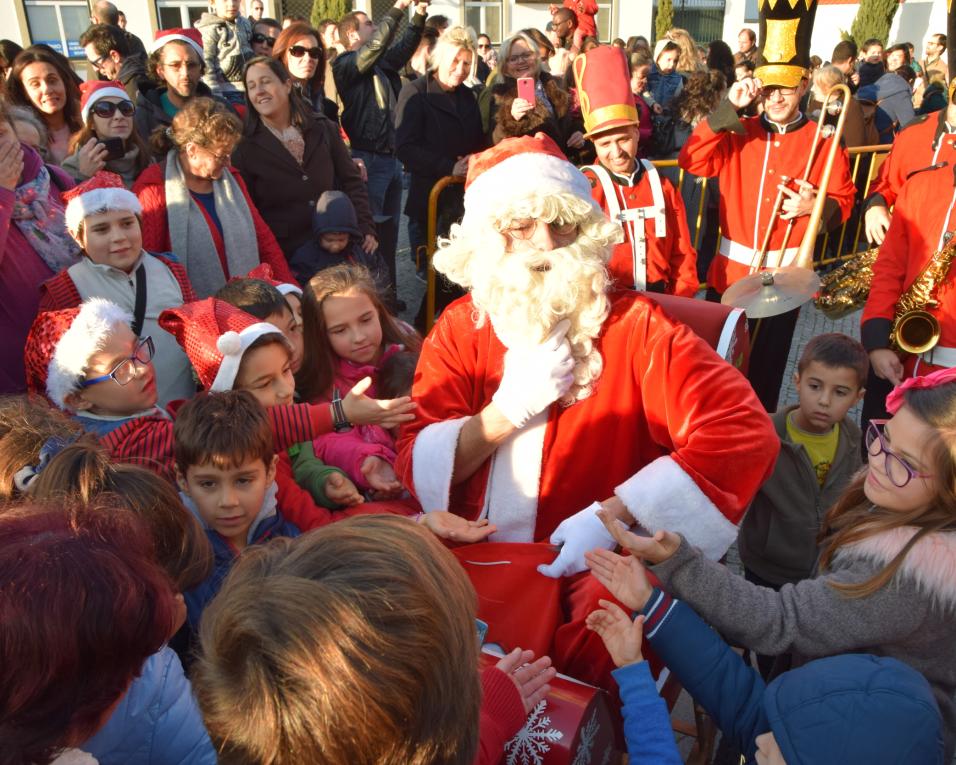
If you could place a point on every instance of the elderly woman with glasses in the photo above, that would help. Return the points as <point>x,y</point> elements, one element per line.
<point>508,115</point>
<point>299,47</point>
<point>196,205</point>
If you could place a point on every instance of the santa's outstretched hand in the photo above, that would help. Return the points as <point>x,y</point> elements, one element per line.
<point>535,376</point>
<point>577,535</point>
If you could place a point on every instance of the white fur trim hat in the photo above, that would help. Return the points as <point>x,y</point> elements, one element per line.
<point>103,192</point>
<point>215,335</point>
<point>97,90</point>
<point>515,169</point>
<point>192,37</point>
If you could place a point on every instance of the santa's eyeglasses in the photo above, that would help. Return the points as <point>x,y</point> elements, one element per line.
<point>524,229</point>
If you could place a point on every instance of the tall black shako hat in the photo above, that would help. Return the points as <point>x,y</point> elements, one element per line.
<point>785,27</point>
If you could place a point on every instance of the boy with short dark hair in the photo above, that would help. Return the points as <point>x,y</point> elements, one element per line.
<point>226,469</point>
<point>820,452</point>
<point>871,68</point>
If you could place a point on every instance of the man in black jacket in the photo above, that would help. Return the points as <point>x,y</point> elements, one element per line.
<point>367,78</point>
<point>108,53</point>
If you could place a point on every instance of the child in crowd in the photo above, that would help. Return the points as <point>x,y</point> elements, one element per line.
<point>640,68</point>
<point>104,219</point>
<point>226,469</point>
<point>886,709</point>
<point>227,45</point>
<point>83,605</point>
<point>888,549</point>
<point>663,80</point>
<point>872,67</point>
<point>744,70</point>
<point>350,334</point>
<point>327,485</point>
<point>357,643</point>
<point>336,239</point>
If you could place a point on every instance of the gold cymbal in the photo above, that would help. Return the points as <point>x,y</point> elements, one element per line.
<point>772,292</point>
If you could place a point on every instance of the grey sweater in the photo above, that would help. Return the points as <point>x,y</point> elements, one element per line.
<point>913,618</point>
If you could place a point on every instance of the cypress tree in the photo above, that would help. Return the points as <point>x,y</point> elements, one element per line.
<point>665,18</point>
<point>873,20</point>
<point>329,9</point>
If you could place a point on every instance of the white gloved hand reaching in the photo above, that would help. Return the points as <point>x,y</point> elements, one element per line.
<point>535,377</point>
<point>580,533</point>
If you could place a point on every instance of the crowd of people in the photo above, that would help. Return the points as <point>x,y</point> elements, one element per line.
<point>239,490</point>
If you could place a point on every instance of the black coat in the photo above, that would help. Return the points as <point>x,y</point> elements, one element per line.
<point>285,192</point>
<point>432,129</point>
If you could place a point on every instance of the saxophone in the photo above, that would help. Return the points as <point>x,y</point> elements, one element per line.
<point>845,289</point>
<point>916,330</point>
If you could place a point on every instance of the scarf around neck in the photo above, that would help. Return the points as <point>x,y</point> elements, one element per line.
<point>41,221</point>
<point>189,235</point>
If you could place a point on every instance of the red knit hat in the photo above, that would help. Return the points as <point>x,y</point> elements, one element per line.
<point>215,335</point>
<point>263,272</point>
<point>191,37</point>
<point>515,169</point>
<point>96,90</point>
<point>104,191</point>
<point>604,87</point>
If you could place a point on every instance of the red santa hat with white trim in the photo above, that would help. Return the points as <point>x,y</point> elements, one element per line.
<point>215,335</point>
<point>96,90</point>
<point>263,272</point>
<point>61,343</point>
<point>101,193</point>
<point>515,169</point>
<point>192,37</point>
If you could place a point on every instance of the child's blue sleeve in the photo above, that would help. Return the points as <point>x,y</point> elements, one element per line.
<point>647,726</point>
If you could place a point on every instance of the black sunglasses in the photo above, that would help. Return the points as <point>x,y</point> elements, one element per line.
<point>107,109</point>
<point>298,51</point>
<point>260,39</point>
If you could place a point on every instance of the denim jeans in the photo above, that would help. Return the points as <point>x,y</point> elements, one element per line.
<point>385,199</point>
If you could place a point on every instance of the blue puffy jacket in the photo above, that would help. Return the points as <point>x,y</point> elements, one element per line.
<point>841,710</point>
<point>157,721</point>
<point>894,104</point>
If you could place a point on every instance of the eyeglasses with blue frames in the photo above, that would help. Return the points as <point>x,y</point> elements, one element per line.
<point>124,372</point>
<point>898,470</point>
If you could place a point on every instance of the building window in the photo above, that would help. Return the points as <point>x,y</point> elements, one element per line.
<point>484,16</point>
<point>179,13</point>
<point>604,22</point>
<point>58,24</point>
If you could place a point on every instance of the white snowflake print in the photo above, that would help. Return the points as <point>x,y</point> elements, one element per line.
<point>588,736</point>
<point>533,740</point>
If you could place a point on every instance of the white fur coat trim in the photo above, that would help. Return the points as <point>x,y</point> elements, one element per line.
<point>931,563</point>
<point>662,495</point>
<point>433,462</point>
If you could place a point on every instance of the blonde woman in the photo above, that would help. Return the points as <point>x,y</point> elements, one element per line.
<point>689,60</point>
<point>854,129</point>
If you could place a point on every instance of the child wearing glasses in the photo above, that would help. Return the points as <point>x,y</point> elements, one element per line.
<point>104,219</point>
<point>227,45</point>
<point>884,581</point>
<point>107,140</point>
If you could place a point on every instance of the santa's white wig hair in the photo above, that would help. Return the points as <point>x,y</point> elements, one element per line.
<point>525,293</point>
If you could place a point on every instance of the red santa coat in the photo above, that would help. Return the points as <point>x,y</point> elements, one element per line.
<point>670,259</point>
<point>920,144</point>
<point>673,430</point>
<point>749,165</point>
<point>925,210</point>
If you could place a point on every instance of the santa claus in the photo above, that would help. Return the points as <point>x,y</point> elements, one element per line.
<point>545,395</point>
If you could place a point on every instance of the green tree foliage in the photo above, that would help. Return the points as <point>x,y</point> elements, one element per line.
<point>665,18</point>
<point>873,20</point>
<point>329,9</point>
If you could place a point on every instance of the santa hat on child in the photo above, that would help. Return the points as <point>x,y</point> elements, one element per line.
<point>192,37</point>
<point>215,335</point>
<point>263,272</point>
<point>96,90</point>
<point>61,343</point>
<point>99,194</point>
<point>515,169</point>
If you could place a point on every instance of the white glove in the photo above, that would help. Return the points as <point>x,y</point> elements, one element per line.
<point>535,377</point>
<point>581,532</point>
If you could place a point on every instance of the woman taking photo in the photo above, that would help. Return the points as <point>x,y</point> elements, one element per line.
<point>299,48</point>
<point>197,207</point>
<point>550,112</point>
<point>290,156</point>
<point>107,140</point>
<point>42,80</point>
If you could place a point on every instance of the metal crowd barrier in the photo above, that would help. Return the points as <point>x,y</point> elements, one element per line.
<point>848,236</point>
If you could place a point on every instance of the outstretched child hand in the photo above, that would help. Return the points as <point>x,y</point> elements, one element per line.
<point>362,410</point>
<point>340,490</point>
<point>621,636</point>
<point>381,477</point>
<point>530,677</point>
<point>623,575</point>
<point>456,529</point>
<point>654,549</point>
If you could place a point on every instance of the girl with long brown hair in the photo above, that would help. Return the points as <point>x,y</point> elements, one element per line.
<point>886,581</point>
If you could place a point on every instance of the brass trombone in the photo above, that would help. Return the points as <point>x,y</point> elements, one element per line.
<point>779,289</point>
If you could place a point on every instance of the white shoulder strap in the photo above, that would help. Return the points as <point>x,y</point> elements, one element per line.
<point>657,195</point>
<point>610,193</point>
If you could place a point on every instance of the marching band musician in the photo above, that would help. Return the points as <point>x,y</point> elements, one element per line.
<point>753,157</point>
<point>657,254</point>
